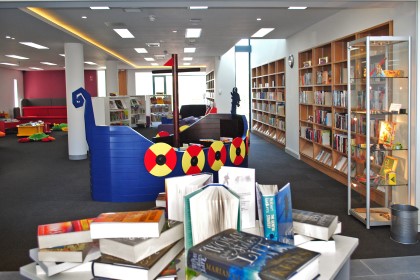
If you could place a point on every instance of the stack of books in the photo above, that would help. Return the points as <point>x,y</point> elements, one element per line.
<point>119,245</point>
<point>64,246</point>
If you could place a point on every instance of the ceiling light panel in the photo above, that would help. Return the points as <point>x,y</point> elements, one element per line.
<point>16,56</point>
<point>34,45</point>
<point>140,50</point>
<point>124,33</point>
<point>297,8</point>
<point>193,33</point>
<point>9,64</point>
<point>187,58</point>
<point>262,32</point>
<point>153,45</point>
<point>90,63</point>
<point>48,63</point>
<point>189,50</point>
<point>149,59</point>
<point>199,7</point>
<point>99,8</point>
<point>35,68</point>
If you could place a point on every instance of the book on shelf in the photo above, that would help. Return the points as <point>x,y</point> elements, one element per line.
<point>275,211</point>
<point>177,187</point>
<point>149,268</point>
<point>51,268</point>
<point>386,133</point>
<point>120,104</point>
<point>136,249</point>
<point>241,180</point>
<point>209,211</point>
<point>68,253</point>
<point>85,267</point>
<point>388,165</point>
<point>275,260</point>
<point>312,224</point>
<point>147,223</point>
<point>112,105</point>
<point>64,233</point>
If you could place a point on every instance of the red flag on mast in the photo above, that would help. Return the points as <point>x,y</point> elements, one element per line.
<point>170,62</point>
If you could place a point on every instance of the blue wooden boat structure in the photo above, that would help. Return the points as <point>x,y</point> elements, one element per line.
<point>125,166</point>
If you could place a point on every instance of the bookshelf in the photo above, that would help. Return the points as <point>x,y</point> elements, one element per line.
<point>160,107</point>
<point>323,93</point>
<point>137,110</point>
<point>379,117</point>
<point>210,86</point>
<point>111,110</point>
<point>269,101</point>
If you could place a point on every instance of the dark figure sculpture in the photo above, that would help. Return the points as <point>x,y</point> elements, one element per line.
<point>235,100</point>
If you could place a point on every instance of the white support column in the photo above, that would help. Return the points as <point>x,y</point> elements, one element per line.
<point>75,116</point>
<point>111,75</point>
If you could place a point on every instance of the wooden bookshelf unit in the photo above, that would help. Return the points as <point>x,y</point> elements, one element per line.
<point>269,101</point>
<point>323,77</point>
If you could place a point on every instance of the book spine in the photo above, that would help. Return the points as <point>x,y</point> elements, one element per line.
<point>269,214</point>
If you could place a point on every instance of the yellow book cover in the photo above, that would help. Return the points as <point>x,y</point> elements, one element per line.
<point>386,133</point>
<point>389,164</point>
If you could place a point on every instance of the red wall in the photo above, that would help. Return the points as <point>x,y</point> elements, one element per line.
<point>52,84</point>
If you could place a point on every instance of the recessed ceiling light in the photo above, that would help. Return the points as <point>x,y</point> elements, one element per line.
<point>35,68</point>
<point>33,45</point>
<point>193,33</point>
<point>84,17</point>
<point>199,7</point>
<point>124,33</point>
<point>154,64</point>
<point>140,50</point>
<point>187,58</point>
<point>90,63</point>
<point>259,19</point>
<point>149,59</point>
<point>186,63</point>
<point>10,64</point>
<point>99,8</point>
<point>48,63</point>
<point>297,8</point>
<point>174,31</point>
<point>189,50</point>
<point>16,56</point>
<point>132,10</point>
<point>153,45</point>
<point>62,54</point>
<point>262,32</point>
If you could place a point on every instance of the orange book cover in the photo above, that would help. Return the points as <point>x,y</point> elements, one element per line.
<point>65,227</point>
<point>149,216</point>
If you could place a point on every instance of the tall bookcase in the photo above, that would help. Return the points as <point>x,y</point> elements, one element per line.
<point>138,110</point>
<point>269,101</point>
<point>112,110</point>
<point>160,107</point>
<point>323,102</point>
<point>210,85</point>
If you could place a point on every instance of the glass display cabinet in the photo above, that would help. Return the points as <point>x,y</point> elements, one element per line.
<point>378,137</point>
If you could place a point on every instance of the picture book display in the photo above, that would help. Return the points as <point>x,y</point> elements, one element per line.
<point>312,224</point>
<point>275,208</point>
<point>232,254</point>
<point>64,233</point>
<point>386,133</point>
<point>177,187</point>
<point>148,223</point>
<point>209,211</point>
<point>242,181</point>
<point>149,268</point>
<point>136,249</point>
<point>389,164</point>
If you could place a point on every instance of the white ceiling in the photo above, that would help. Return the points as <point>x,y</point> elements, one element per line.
<point>223,25</point>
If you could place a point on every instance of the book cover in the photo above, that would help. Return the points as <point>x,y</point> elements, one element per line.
<point>112,105</point>
<point>312,224</point>
<point>209,211</point>
<point>120,104</point>
<point>148,223</point>
<point>276,212</point>
<point>136,249</point>
<point>386,133</point>
<point>242,181</point>
<point>52,268</point>
<point>232,254</point>
<point>68,253</point>
<point>178,187</point>
<point>389,164</point>
<point>64,233</point>
<point>149,268</point>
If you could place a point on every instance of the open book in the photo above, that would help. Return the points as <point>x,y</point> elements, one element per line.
<point>209,211</point>
<point>177,187</point>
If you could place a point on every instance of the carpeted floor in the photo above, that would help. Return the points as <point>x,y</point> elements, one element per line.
<point>38,184</point>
